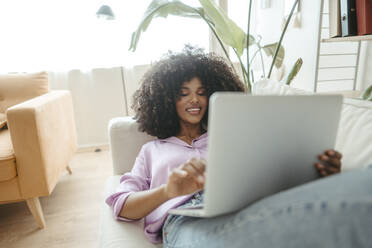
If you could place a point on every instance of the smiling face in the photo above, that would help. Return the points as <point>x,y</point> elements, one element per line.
<point>192,103</point>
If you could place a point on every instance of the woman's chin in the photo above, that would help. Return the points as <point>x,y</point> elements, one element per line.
<point>193,121</point>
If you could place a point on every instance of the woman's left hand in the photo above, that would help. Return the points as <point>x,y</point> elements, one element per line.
<point>330,163</point>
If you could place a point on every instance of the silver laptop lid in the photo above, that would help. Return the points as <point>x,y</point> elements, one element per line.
<point>260,145</point>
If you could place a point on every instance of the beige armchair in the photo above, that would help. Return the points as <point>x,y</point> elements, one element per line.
<point>39,142</point>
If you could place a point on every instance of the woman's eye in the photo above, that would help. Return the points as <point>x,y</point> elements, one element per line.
<point>202,93</point>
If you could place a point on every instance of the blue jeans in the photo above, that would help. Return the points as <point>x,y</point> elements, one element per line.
<point>330,212</point>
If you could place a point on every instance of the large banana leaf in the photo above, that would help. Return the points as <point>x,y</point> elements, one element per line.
<point>163,8</point>
<point>270,51</point>
<point>227,30</point>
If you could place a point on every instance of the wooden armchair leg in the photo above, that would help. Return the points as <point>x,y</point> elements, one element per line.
<point>35,208</point>
<point>69,169</point>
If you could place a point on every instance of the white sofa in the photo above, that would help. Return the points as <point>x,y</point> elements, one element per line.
<point>354,141</point>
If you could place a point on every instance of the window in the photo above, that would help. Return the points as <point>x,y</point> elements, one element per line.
<point>60,35</point>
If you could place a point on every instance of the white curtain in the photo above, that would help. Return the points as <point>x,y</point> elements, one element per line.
<point>98,96</point>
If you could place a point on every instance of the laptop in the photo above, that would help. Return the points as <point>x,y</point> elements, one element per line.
<point>261,145</point>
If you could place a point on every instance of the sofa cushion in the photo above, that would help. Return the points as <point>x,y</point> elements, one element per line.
<point>17,88</point>
<point>272,87</point>
<point>355,129</point>
<point>2,120</point>
<point>354,138</point>
<point>7,158</point>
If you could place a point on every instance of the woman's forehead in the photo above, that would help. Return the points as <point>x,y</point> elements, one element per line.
<point>194,82</point>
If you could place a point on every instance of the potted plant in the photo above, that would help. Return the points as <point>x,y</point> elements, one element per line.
<point>226,32</point>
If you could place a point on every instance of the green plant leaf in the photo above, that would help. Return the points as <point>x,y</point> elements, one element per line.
<point>367,94</point>
<point>230,33</point>
<point>163,8</point>
<point>270,51</point>
<point>295,69</point>
<point>252,40</point>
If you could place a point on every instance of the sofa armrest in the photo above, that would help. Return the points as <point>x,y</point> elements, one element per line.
<point>125,143</point>
<point>44,139</point>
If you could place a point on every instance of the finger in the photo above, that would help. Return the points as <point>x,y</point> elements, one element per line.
<point>203,163</point>
<point>330,152</point>
<point>325,170</point>
<point>180,173</point>
<point>333,153</point>
<point>319,166</point>
<point>323,158</point>
<point>323,173</point>
<point>202,160</point>
<point>338,154</point>
<point>331,170</point>
<point>335,162</point>
<point>199,166</point>
<point>193,173</point>
<point>321,169</point>
<point>191,160</point>
<point>330,161</point>
<point>331,165</point>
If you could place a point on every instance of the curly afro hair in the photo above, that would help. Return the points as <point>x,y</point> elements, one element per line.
<point>154,102</point>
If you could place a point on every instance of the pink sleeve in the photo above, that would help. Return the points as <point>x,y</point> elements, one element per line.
<point>136,180</point>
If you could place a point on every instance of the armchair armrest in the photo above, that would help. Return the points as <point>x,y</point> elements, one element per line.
<point>44,139</point>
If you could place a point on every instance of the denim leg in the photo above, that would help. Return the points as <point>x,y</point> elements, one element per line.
<point>332,212</point>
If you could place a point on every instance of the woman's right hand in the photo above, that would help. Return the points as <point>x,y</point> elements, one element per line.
<point>186,179</point>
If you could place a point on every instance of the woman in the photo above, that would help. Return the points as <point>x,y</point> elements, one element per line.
<point>172,104</point>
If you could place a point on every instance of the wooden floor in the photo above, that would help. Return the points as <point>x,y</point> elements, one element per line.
<point>71,212</point>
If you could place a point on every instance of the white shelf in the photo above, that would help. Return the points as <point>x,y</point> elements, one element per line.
<point>349,38</point>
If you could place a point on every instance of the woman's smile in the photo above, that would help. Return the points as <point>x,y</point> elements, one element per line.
<point>194,110</point>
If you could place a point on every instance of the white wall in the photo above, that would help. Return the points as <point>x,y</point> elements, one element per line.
<point>367,75</point>
<point>298,42</point>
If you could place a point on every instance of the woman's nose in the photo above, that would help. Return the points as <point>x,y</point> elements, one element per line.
<point>194,98</point>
